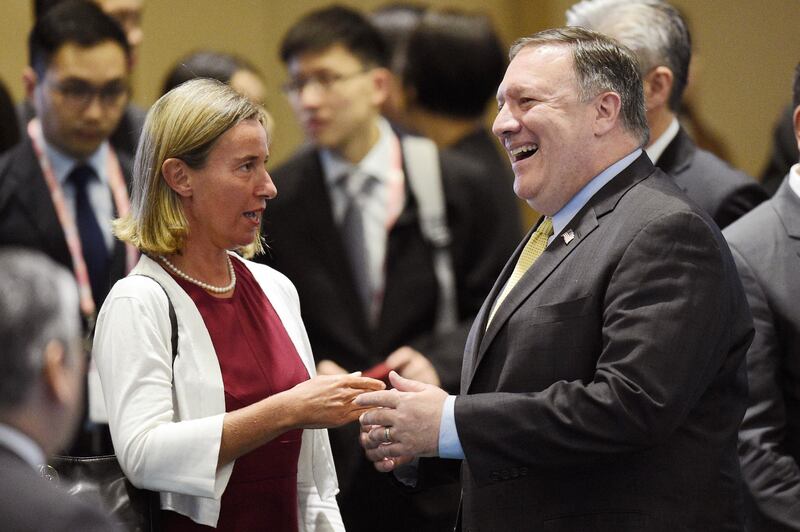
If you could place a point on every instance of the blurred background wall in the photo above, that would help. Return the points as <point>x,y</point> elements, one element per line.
<point>746,53</point>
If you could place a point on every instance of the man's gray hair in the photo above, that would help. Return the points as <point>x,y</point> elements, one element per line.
<point>653,29</point>
<point>601,65</point>
<point>38,303</point>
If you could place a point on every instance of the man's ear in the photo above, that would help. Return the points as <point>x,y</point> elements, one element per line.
<point>29,81</point>
<point>55,377</point>
<point>796,122</point>
<point>657,87</point>
<point>176,174</point>
<point>607,108</point>
<point>381,84</point>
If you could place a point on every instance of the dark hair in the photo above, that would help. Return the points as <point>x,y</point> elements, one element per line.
<point>9,130</point>
<point>72,21</point>
<point>455,61</point>
<point>653,29</point>
<point>601,64</point>
<point>796,87</point>
<point>205,64</point>
<point>397,22</point>
<point>321,29</point>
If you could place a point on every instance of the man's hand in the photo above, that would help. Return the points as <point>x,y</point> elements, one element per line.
<point>412,364</point>
<point>410,415</point>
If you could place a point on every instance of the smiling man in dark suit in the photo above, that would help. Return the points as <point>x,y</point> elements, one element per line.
<point>659,36</point>
<point>603,380</point>
<point>347,229</point>
<point>766,246</point>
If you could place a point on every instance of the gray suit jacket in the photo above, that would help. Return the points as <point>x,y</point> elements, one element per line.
<point>766,246</point>
<point>29,503</point>
<point>722,191</point>
<point>607,391</point>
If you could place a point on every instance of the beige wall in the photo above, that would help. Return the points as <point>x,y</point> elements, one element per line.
<point>747,52</point>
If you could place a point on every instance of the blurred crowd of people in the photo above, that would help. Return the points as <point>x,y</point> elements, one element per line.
<point>371,251</point>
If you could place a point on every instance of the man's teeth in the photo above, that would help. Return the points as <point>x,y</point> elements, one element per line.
<point>529,148</point>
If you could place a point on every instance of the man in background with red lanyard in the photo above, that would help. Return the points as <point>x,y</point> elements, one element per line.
<point>346,228</point>
<point>63,184</point>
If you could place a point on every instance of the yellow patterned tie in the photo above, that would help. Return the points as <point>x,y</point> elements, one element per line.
<point>530,253</point>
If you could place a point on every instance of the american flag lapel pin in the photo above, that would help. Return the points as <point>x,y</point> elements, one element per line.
<point>568,235</point>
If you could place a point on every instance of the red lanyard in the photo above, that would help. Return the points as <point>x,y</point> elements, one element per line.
<point>118,191</point>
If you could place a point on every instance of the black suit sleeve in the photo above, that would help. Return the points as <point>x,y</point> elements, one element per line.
<point>772,475</point>
<point>664,310</point>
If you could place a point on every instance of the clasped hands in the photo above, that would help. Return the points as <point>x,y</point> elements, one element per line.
<point>402,424</point>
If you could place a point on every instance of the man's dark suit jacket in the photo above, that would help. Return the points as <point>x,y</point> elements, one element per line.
<point>29,503</point>
<point>27,216</point>
<point>723,192</point>
<point>766,246</point>
<point>607,391</point>
<point>306,245</point>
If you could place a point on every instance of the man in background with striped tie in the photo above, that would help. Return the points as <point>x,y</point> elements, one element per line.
<point>603,379</point>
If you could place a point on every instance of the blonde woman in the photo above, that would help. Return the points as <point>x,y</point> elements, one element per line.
<point>228,430</point>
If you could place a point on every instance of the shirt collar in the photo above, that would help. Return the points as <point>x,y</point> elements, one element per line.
<point>376,163</point>
<point>656,149</point>
<point>794,179</point>
<point>22,445</point>
<point>568,211</point>
<point>63,164</point>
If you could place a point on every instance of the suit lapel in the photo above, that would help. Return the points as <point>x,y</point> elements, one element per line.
<point>36,201</point>
<point>582,225</point>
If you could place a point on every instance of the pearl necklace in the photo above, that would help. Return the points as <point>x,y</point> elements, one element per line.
<point>201,284</point>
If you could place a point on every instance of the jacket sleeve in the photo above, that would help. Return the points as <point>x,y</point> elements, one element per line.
<point>132,351</point>
<point>771,474</point>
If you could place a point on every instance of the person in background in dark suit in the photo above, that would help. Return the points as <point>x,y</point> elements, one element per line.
<point>766,246</point>
<point>41,389</point>
<point>659,37</point>
<point>603,381</point>
<point>61,186</point>
<point>370,291</point>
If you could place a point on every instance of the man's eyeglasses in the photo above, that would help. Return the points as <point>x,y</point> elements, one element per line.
<point>80,94</point>
<point>325,80</point>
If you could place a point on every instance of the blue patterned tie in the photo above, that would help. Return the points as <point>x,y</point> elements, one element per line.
<point>95,252</point>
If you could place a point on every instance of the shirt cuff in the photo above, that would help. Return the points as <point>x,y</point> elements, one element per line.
<point>449,444</point>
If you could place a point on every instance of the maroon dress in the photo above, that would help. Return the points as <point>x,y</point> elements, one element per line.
<point>257,359</point>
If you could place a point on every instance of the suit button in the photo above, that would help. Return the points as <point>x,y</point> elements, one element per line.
<point>505,474</point>
<point>523,471</point>
<point>515,473</point>
<point>494,477</point>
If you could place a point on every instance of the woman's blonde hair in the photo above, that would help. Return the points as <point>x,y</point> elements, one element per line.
<point>185,124</point>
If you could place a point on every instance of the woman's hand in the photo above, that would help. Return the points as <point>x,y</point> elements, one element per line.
<point>327,400</point>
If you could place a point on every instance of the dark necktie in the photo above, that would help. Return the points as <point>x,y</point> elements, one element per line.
<point>95,252</point>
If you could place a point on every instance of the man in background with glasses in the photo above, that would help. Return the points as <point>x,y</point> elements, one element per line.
<point>63,184</point>
<point>346,229</point>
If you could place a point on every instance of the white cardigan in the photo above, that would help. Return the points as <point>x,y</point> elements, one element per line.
<point>167,437</point>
